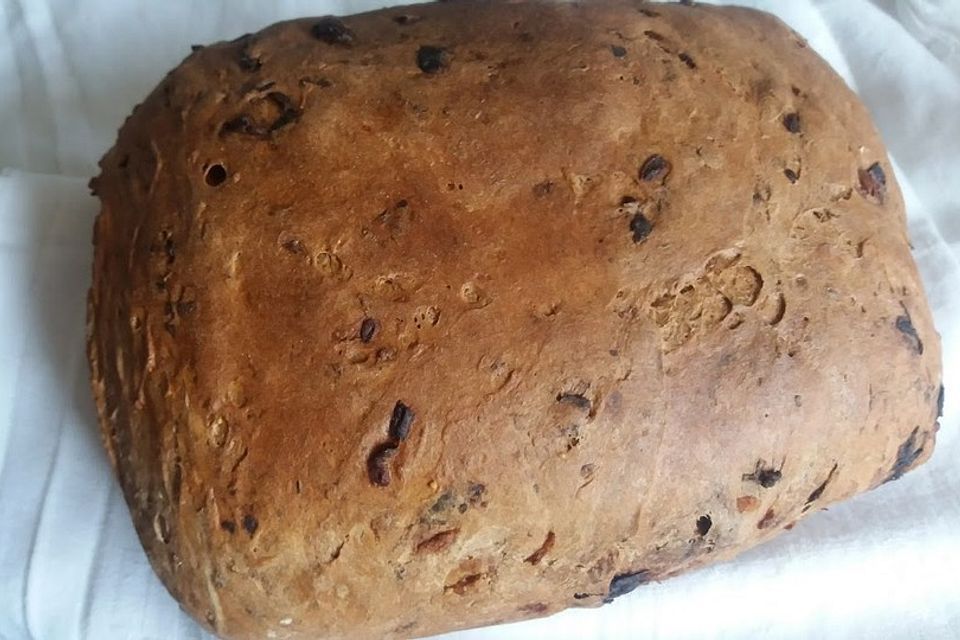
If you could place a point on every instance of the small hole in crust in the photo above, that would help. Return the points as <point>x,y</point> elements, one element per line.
<point>216,175</point>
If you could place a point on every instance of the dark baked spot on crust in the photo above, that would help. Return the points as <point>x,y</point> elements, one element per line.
<point>247,61</point>
<point>704,523</point>
<point>640,227</point>
<point>535,557</point>
<point>445,502</point>
<point>406,18</point>
<point>216,175</point>
<point>240,124</point>
<point>653,35</point>
<point>186,307</point>
<point>542,189</point>
<point>687,60</point>
<point>576,399</point>
<point>368,328</point>
<point>475,493</point>
<point>905,326</point>
<point>378,464</point>
<point>791,122</point>
<point>762,194</point>
<point>406,627</point>
<point>228,525</point>
<point>431,59</point>
<point>535,607</point>
<point>907,454</point>
<point>398,218</point>
<point>400,421</point>
<point>618,51</point>
<point>655,167</point>
<point>816,493</point>
<point>293,245</point>
<point>763,475</point>
<point>650,13</point>
<point>332,31</point>
<point>791,175</point>
<point>580,595</point>
<point>624,583</point>
<point>250,524</point>
<point>873,182</point>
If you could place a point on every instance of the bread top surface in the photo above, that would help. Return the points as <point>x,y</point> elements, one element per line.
<point>451,314</point>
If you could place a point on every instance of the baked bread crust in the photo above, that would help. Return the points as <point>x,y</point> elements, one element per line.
<point>453,314</point>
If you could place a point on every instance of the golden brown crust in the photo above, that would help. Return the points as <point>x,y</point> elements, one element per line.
<point>453,314</point>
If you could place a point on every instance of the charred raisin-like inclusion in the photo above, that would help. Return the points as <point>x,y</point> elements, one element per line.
<point>816,493</point>
<point>764,476</point>
<point>431,59</point>
<point>378,464</point>
<point>640,227</point>
<point>873,182</point>
<point>245,124</point>
<point>248,62</point>
<point>624,583</point>
<point>576,399</point>
<point>907,454</point>
<point>687,60</point>
<point>791,122</point>
<point>905,326</point>
<point>332,31</point>
<point>703,525</point>
<point>656,167</point>
<point>400,422</point>
<point>368,328</point>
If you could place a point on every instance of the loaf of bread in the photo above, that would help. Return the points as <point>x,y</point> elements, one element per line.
<point>454,314</point>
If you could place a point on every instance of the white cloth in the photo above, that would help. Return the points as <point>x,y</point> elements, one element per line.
<point>884,565</point>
